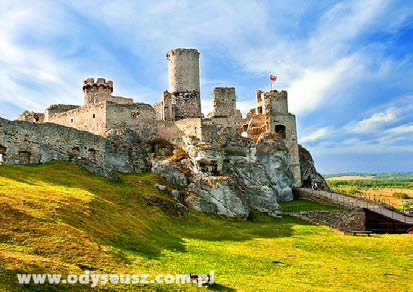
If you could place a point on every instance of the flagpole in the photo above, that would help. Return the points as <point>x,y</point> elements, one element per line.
<point>269,77</point>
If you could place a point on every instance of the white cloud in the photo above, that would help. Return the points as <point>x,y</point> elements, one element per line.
<point>373,123</point>
<point>317,135</point>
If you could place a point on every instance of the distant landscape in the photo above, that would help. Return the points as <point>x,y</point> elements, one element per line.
<point>390,187</point>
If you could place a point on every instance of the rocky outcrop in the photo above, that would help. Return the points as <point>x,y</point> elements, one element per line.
<point>171,172</point>
<point>92,167</point>
<point>309,173</point>
<point>237,174</point>
<point>216,195</point>
<point>274,156</point>
<point>126,152</point>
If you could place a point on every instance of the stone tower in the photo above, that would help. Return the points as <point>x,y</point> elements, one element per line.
<point>283,123</point>
<point>224,102</point>
<point>96,91</point>
<point>183,99</point>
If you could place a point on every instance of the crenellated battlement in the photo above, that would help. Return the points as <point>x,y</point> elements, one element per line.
<point>98,90</point>
<point>182,51</point>
<point>99,82</point>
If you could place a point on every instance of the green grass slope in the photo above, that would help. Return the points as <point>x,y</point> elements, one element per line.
<point>57,218</point>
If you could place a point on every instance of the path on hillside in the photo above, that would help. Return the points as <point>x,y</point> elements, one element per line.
<point>352,202</point>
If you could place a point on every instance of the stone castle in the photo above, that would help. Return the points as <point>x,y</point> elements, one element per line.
<point>117,133</point>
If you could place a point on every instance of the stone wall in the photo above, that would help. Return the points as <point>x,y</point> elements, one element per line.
<point>169,131</point>
<point>30,116</point>
<point>139,117</point>
<point>277,100</point>
<point>34,143</point>
<point>191,127</point>
<point>187,105</point>
<point>120,99</point>
<point>224,102</point>
<point>26,143</point>
<point>308,194</point>
<point>91,118</point>
<point>58,108</point>
<point>285,126</point>
<point>157,106</point>
<point>344,220</point>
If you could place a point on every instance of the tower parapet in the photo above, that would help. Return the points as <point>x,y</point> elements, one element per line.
<point>96,91</point>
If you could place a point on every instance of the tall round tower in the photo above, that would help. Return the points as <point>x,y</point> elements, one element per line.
<point>183,70</point>
<point>183,76</point>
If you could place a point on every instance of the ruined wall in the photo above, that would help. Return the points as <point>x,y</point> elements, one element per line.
<point>224,102</point>
<point>276,100</point>
<point>169,131</point>
<point>224,112</point>
<point>187,105</point>
<point>57,108</point>
<point>191,127</point>
<point>26,143</point>
<point>289,134</point>
<point>91,118</point>
<point>30,116</point>
<point>139,117</point>
<point>120,99</point>
<point>157,106</point>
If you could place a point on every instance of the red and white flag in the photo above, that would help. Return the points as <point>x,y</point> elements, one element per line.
<point>273,78</point>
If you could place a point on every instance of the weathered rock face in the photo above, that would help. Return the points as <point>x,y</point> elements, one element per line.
<point>171,172</point>
<point>216,195</point>
<point>255,186</point>
<point>126,152</point>
<point>265,180</point>
<point>309,173</point>
<point>237,173</point>
<point>274,156</point>
<point>92,167</point>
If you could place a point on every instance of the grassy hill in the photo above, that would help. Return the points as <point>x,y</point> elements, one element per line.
<point>57,218</point>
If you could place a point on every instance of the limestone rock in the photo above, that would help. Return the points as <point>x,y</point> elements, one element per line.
<point>172,174</point>
<point>96,169</point>
<point>255,186</point>
<point>309,173</point>
<point>205,159</point>
<point>216,195</point>
<point>160,187</point>
<point>274,156</point>
<point>176,195</point>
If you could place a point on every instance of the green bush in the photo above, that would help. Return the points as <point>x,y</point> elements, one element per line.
<point>400,196</point>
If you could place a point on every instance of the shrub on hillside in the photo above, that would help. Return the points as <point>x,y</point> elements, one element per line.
<point>400,196</point>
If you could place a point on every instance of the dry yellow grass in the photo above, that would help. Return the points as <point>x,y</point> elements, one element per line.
<point>386,194</point>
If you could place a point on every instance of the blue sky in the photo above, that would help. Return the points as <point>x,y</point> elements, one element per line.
<point>347,65</point>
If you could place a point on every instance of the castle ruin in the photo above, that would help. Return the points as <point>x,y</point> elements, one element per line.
<point>114,130</point>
